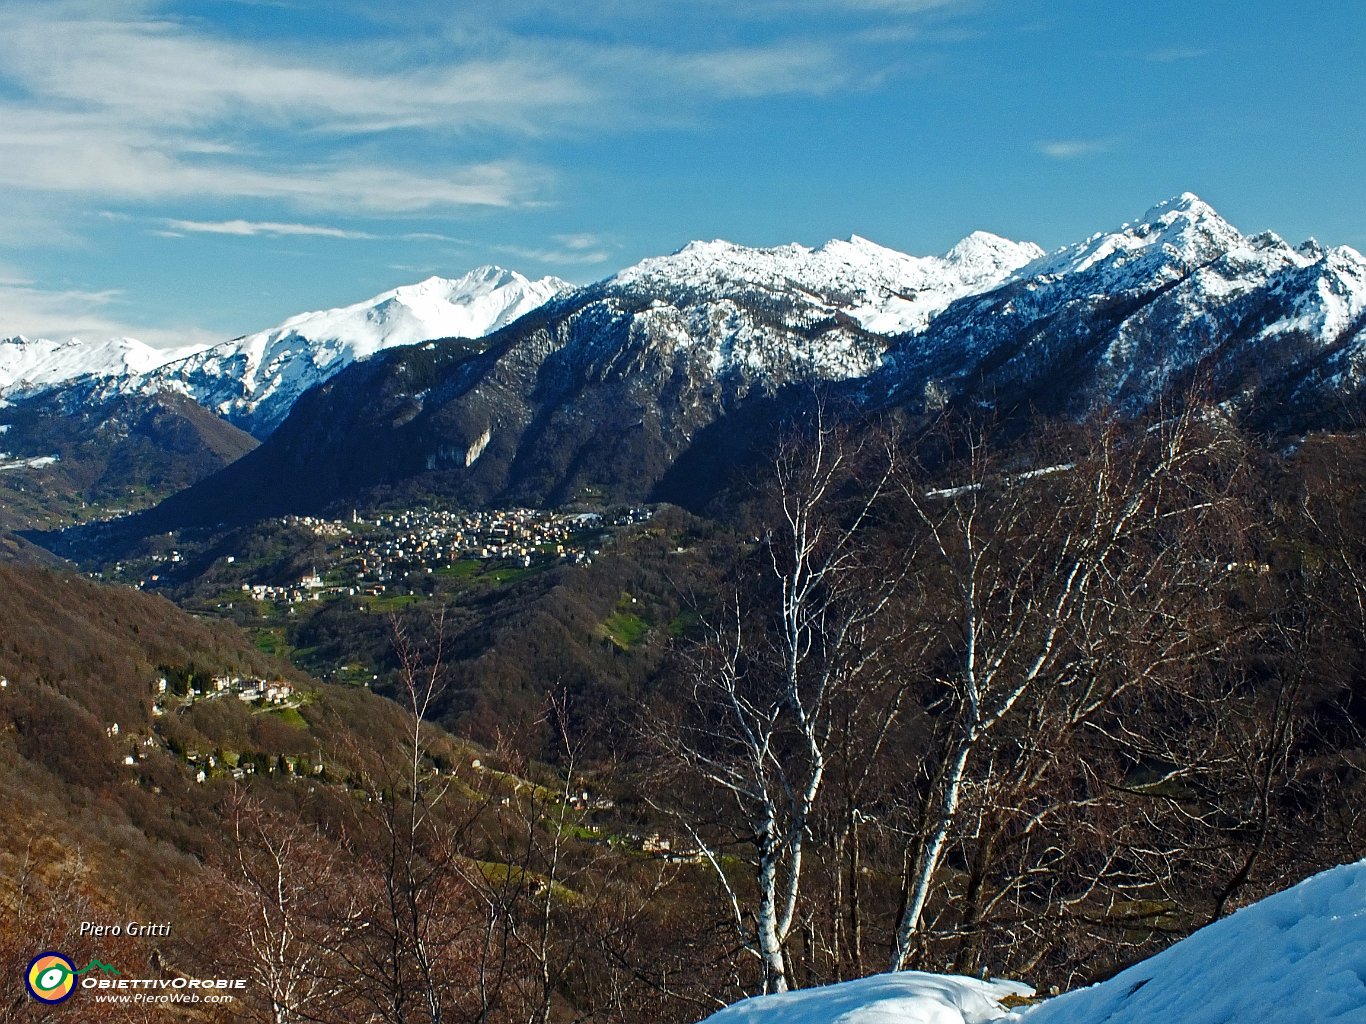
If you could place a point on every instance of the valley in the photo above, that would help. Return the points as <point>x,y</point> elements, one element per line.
<point>745,620</point>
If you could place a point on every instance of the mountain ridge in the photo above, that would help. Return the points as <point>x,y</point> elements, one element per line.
<point>253,379</point>
<point>657,383</point>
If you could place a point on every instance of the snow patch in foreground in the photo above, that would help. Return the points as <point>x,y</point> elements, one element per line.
<point>910,997</point>
<point>1299,955</point>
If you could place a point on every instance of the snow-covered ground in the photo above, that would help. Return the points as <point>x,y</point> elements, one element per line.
<point>1297,956</point>
<point>911,997</point>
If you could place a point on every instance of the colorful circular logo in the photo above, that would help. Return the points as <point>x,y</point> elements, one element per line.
<point>51,978</point>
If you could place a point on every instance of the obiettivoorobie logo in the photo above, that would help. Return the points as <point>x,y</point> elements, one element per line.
<point>51,978</point>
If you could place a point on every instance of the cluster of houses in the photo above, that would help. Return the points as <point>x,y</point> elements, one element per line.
<point>366,554</point>
<point>374,554</point>
<point>310,587</point>
<point>327,528</point>
<point>430,539</point>
<point>656,844</point>
<point>207,765</point>
<point>250,691</point>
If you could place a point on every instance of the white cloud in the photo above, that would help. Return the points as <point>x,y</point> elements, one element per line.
<point>580,241</point>
<point>148,71</point>
<point>252,228</point>
<point>568,256</point>
<point>82,155</point>
<point>59,313</point>
<point>165,73</point>
<point>759,71</point>
<point>433,236</point>
<point>116,101</point>
<point>901,6</point>
<point>1072,149</point>
<point>789,8</point>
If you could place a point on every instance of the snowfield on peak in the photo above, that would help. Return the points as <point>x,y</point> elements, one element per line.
<point>1176,239</point>
<point>30,365</point>
<point>1128,313</point>
<point>886,291</point>
<point>254,380</point>
<point>472,306</point>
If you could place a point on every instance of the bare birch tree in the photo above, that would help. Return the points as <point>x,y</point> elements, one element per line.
<point>1063,587</point>
<point>789,639</point>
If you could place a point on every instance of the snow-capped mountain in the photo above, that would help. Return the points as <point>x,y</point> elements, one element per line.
<point>32,365</point>
<point>254,380</point>
<point>767,316</point>
<point>1128,313</point>
<point>886,291</point>
<point>607,386</point>
<point>663,379</point>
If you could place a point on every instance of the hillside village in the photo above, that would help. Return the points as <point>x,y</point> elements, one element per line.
<point>380,553</point>
<point>176,693</point>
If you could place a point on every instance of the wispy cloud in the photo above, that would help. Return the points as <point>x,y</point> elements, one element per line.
<point>28,308</point>
<point>85,155</point>
<point>901,6</point>
<point>415,123</point>
<point>789,7</point>
<point>118,100</point>
<point>577,249</point>
<point>581,241</point>
<point>1072,149</point>
<point>1175,54</point>
<point>170,73</point>
<point>565,250</point>
<point>252,228</point>
<point>759,71</point>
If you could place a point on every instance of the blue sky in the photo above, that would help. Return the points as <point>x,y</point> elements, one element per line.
<point>189,171</point>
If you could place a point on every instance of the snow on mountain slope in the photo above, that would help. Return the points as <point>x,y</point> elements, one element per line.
<point>1172,239</point>
<point>886,291</point>
<point>1299,955</point>
<point>254,380</point>
<point>772,316</point>
<point>29,365</point>
<point>911,997</point>
<point>1113,320</point>
<point>1123,314</point>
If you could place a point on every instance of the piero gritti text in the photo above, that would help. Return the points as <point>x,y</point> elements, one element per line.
<point>136,929</point>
